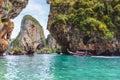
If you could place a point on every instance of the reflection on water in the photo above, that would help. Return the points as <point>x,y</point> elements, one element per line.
<point>58,67</point>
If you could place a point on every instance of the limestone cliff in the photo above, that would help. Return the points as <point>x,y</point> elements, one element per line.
<point>31,36</point>
<point>17,7</point>
<point>9,9</point>
<point>92,25</point>
<point>52,44</point>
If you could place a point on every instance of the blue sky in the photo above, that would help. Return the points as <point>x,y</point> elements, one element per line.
<point>39,9</point>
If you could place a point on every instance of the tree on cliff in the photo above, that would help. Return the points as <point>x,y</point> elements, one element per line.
<point>98,17</point>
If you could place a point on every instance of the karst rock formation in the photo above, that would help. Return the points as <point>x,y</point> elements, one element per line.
<point>92,25</point>
<point>9,9</point>
<point>30,38</point>
<point>52,43</point>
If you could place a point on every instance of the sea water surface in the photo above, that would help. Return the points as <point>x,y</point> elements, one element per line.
<point>59,67</point>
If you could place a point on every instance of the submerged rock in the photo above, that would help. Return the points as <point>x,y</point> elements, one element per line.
<point>9,9</point>
<point>31,36</point>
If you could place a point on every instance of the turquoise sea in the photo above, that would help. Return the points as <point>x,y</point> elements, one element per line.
<point>59,67</point>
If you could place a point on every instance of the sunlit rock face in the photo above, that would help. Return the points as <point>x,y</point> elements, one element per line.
<point>83,25</point>
<point>31,36</point>
<point>9,9</point>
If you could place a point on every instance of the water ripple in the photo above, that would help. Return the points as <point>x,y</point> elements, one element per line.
<point>58,67</point>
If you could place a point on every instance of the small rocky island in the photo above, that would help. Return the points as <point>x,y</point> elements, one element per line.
<point>30,38</point>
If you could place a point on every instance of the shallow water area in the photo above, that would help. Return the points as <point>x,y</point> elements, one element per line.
<point>59,67</point>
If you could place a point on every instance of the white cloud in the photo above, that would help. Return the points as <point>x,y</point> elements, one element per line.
<point>39,9</point>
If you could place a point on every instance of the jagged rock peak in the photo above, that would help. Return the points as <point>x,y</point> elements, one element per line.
<point>31,36</point>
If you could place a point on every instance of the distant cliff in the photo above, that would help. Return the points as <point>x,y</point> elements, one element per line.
<point>9,9</point>
<point>51,42</point>
<point>31,35</point>
<point>86,25</point>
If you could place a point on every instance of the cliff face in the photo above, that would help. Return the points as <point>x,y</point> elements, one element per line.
<point>52,44</point>
<point>17,7</point>
<point>86,25</point>
<point>9,9</point>
<point>31,36</point>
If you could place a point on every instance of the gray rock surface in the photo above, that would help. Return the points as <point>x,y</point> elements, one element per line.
<point>31,35</point>
<point>52,43</point>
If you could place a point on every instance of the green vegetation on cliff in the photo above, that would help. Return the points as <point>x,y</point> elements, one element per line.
<point>46,50</point>
<point>29,17</point>
<point>8,5</point>
<point>99,17</point>
<point>15,46</point>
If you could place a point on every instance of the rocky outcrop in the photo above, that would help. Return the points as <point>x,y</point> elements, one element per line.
<point>31,36</point>
<point>52,44</point>
<point>9,9</point>
<point>17,7</point>
<point>86,25</point>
